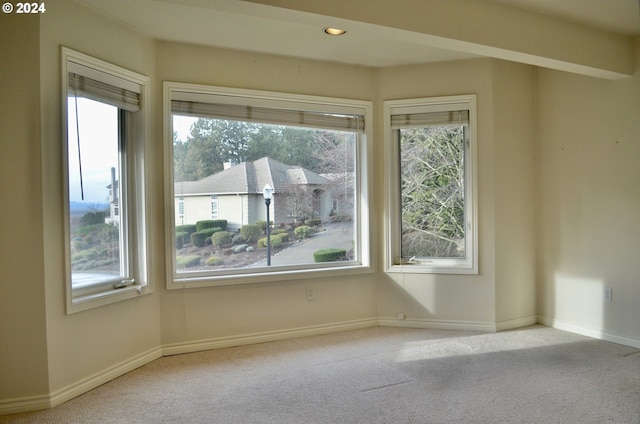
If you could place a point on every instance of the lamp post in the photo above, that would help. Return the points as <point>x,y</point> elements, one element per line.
<point>267,191</point>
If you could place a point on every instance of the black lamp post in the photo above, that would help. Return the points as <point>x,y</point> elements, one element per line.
<point>267,191</point>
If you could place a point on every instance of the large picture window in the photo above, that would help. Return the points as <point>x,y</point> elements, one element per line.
<point>265,185</point>
<point>432,206</point>
<point>105,198</point>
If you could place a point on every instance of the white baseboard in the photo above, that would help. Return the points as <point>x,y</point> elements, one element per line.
<point>34,403</point>
<point>268,336</point>
<point>516,323</point>
<point>437,324</point>
<point>596,333</point>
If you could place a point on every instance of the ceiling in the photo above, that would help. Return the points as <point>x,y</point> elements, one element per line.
<point>255,27</point>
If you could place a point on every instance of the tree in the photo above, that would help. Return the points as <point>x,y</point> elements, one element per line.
<point>432,191</point>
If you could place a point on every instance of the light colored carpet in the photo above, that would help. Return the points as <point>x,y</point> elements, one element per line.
<point>377,375</point>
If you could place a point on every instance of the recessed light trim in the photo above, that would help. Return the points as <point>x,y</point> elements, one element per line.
<point>335,31</point>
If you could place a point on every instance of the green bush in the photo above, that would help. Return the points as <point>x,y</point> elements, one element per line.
<point>211,223</point>
<point>214,261</point>
<point>221,238</point>
<point>210,231</point>
<point>284,237</point>
<point>312,222</point>
<point>278,231</point>
<point>329,255</point>
<point>251,232</point>
<point>187,261</point>
<point>275,241</point>
<point>303,232</point>
<point>262,224</point>
<point>187,228</point>
<point>198,239</point>
<point>238,239</point>
<point>182,237</point>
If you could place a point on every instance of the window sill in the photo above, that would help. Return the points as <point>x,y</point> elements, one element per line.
<point>94,300</point>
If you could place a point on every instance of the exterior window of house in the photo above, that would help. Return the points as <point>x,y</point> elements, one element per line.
<point>105,237</point>
<point>214,207</point>
<point>432,197</point>
<point>228,146</point>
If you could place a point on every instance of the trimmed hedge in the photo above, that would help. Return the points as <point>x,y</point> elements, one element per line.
<point>303,232</point>
<point>275,241</point>
<point>313,221</point>
<point>329,255</point>
<point>251,232</point>
<point>187,228</point>
<point>187,261</point>
<point>182,237</point>
<point>198,238</point>
<point>221,238</point>
<point>210,231</point>
<point>214,261</point>
<point>211,223</point>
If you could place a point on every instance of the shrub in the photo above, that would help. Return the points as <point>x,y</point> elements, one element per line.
<point>214,261</point>
<point>284,237</point>
<point>182,237</point>
<point>187,261</point>
<point>187,228</point>
<point>275,241</point>
<point>211,223</point>
<point>251,232</point>
<point>210,231</point>
<point>198,239</point>
<point>238,239</point>
<point>278,231</point>
<point>329,255</point>
<point>313,221</point>
<point>221,238</point>
<point>262,224</point>
<point>303,231</point>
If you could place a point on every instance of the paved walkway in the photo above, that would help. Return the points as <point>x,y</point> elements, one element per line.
<point>338,235</point>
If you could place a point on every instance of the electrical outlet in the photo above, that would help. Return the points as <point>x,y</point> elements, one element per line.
<point>311,294</point>
<point>608,294</point>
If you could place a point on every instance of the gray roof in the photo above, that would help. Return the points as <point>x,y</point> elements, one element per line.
<point>250,178</point>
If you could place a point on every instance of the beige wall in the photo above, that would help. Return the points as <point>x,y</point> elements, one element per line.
<point>503,293</point>
<point>557,180</point>
<point>217,312</point>
<point>589,202</point>
<point>86,344</point>
<point>23,355</point>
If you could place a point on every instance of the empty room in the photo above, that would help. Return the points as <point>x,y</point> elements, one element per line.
<point>340,211</point>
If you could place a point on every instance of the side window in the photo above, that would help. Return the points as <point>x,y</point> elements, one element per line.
<point>106,243</point>
<point>265,184</point>
<point>432,201</point>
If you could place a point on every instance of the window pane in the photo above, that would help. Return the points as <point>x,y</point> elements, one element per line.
<point>94,193</point>
<point>220,170</point>
<point>432,192</point>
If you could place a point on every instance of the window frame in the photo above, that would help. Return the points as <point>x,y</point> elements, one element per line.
<point>247,97</point>
<point>393,221</point>
<point>134,128</point>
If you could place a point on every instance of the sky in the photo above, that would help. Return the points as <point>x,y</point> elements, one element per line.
<point>99,147</point>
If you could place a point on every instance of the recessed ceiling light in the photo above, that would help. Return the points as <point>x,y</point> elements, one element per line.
<point>335,31</point>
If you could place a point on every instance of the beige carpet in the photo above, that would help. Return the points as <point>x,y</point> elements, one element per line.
<point>376,375</point>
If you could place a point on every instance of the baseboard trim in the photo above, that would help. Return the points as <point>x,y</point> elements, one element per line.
<point>596,333</point>
<point>268,336</point>
<point>437,324</point>
<point>57,397</point>
<point>516,323</point>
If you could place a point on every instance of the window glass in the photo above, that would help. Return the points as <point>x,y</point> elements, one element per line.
<point>97,233</point>
<point>224,155</point>
<point>431,224</point>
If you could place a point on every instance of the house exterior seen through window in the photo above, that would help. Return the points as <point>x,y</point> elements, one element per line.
<point>223,158</point>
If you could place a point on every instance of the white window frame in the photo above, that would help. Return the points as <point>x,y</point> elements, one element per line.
<point>132,205</point>
<point>393,261</point>
<point>245,97</point>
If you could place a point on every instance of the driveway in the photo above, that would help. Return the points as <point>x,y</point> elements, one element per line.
<point>338,235</point>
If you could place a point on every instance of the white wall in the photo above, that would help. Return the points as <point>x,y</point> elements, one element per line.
<point>589,202</point>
